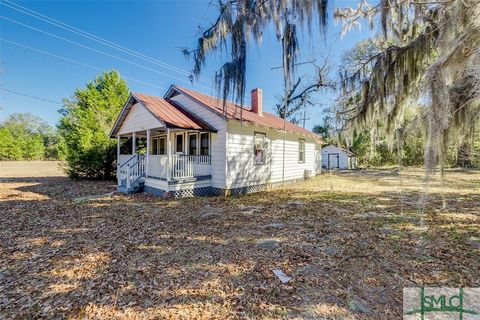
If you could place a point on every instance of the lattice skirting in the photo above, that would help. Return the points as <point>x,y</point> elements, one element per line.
<point>206,191</point>
<point>248,189</point>
<point>182,193</point>
<point>197,192</point>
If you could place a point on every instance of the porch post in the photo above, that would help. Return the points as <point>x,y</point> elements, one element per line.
<point>169,151</point>
<point>134,143</point>
<point>119,178</point>
<point>118,151</point>
<point>148,153</point>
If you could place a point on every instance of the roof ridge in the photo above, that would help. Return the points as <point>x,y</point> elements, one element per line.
<point>270,120</point>
<point>245,107</point>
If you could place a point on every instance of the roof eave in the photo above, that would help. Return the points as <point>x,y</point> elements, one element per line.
<point>174,87</point>
<point>115,129</point>
<point>170,126</point>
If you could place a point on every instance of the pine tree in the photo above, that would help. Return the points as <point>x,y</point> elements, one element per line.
<point>86,123</point>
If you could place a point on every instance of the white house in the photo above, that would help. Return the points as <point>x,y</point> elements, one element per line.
<point>334,157</point>
<point>195,147</point>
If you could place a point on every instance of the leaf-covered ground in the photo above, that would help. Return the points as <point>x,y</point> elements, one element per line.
<point>351,242</point>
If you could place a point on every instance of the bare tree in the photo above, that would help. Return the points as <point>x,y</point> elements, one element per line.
<point>299,95</point>
<point>239,21</point>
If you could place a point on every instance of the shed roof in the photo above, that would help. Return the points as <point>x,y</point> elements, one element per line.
<point>350,153</point>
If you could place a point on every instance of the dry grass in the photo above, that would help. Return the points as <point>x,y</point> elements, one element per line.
<point>30,169</point>
<point>351,241</point>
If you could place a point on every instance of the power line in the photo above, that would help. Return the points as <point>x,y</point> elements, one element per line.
<point>93,37</point>
<point>76,62</point>
<point>297,64</point>
<point>98,51</point>
<point>30,96</point>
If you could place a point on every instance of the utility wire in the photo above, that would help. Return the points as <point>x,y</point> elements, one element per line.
<point>98,51</point>
<point>30,96</point>
<point>76,62</point>
<point>93,37</point>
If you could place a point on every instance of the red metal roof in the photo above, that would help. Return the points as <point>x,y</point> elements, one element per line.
<point>171,114</point>
<point>233,112</point>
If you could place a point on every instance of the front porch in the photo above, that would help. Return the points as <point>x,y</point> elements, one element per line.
<point>163,159</point>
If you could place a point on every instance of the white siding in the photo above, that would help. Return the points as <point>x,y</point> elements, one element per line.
<point>156,183</point>
<point>139,119</point>
<point>241,168</point>
<point>190,185</point>
<point>342,157</point>
<point>164,185</point>
<point>218,141</point>
<point>293,169</point>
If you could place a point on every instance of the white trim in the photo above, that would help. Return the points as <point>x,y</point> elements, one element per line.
<point>209,139</point>
<point>134,143</point>
<point>121,113</point>
<point>169,152</point>
<point>301,142</point>
<point>148,153</point>
<point>175,134</point>
<point>180,91</point>
<point>164,145</point>
<point>118,150</point>
<point>196,142</point>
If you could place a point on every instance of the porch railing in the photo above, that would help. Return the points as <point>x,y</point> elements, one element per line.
<point>157,166</point>
<point>180,166</point>
<point>190,166</point>
<point>123,170</point>
<point>131,170</point>
<point>137,168</point>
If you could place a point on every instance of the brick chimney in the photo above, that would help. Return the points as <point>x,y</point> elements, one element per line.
<point>257,101</point>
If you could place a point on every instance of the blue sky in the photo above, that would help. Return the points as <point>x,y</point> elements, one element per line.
<point>155,28</point>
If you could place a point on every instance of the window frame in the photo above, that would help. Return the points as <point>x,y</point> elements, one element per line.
<point>155,149</point>
<point>190,134</point>
<point>301,142</point>
<point>200,147</point>
<point>176,135</point>
<point>255,133</point>
<point>160,138</point>
<point>154,146</point>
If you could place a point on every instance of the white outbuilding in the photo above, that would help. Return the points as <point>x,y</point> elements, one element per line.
<point>334,157</point>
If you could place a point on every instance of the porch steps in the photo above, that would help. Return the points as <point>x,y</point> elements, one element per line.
<point>131,175</point>
<point>134,188</point>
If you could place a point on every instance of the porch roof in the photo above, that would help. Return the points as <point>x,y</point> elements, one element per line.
<point>164,110</point>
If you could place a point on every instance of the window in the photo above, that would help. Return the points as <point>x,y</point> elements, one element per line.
<point>158,146</point>
<point>192,144</point>
<point>161,145</point>
<point>179,143</point>
<point>259,148</point>
<point>301,151</point>
<point>154,147</point>
<point>204,144</point>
